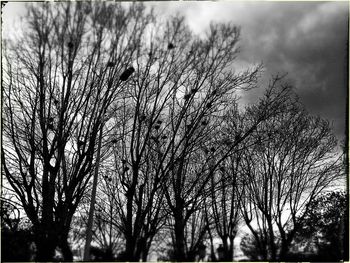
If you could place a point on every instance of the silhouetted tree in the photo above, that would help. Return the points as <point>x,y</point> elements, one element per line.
<point>195,151</point>
<point>293,160</point>
<point>161,125</point>
<point>178,160</point>
<point>58,83</point>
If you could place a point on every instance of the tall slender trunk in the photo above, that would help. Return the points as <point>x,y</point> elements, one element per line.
<point>232,248</point>
<point>271,241</point>
<point>212,251</point>
<point>130,240</point>
<point>179,237</point>
<point>92,202</point>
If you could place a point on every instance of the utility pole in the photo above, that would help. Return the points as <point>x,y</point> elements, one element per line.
<point>92,202</point>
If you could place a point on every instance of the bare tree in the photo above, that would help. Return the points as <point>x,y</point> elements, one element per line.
<point>196,149</point>
<point>164,118</point>
<point>226,185</point>
<point>59,79</point>
<point>160,96</point>
<point>205,86</point>
<point>223,209</point>
<point>293,159</point>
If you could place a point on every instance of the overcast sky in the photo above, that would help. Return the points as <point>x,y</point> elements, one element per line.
<point>307,40</point>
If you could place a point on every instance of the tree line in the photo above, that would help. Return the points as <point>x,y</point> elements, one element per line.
<point>180,161</point>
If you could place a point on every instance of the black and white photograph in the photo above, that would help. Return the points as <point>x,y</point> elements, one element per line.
<point>174,131</point>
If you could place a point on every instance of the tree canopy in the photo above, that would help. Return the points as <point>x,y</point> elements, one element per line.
<point>102,97</point>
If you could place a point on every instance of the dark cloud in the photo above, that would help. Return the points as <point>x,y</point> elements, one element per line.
<point>310,45</point>
<point>307,40</point>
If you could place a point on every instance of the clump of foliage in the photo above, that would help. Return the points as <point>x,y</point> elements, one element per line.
<point>325,227</point>
<point>16,236</point>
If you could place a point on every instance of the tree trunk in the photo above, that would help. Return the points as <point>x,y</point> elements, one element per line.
<point>179,237</point>
<point>146,247</point>
<point>212,251</point>
<point>140,245</point>
<point>142,249</point>
<point>130,242</point>
<point>145,253</point>
<point>263,247</point>
<point>191,256</point>
<point>90,223</point>
<point>45,251</point>
<point>271,241</point>
<point>45,244</point>
<point>65,248</point>
<point>130,249</point>
<point>226,249</point>
<point>232,248</point>
<point>284,250</point>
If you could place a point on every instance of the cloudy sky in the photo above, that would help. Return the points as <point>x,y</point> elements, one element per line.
<point>307,40</point>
